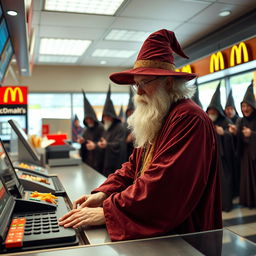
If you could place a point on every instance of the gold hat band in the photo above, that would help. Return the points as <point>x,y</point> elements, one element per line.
<point>153,64</point>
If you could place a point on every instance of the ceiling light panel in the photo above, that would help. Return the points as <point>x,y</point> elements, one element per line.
<point>57,59</point>
<point>127,35</point>
<point>63,46</point>
<point>106,7</point>
<point>113,53</point>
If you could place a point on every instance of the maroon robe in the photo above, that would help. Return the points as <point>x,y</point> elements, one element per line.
<point>179,192</point>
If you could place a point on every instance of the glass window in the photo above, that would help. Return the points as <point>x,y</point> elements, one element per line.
<point>239,84</point>
<point>207,90</point>
<point>47,105</point>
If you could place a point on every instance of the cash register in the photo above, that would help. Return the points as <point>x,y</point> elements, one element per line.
<point>29,220</point>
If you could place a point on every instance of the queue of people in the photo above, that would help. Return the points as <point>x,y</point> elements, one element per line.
<point>236,138</point>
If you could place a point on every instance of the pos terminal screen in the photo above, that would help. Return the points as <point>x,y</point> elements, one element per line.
<point>3,197</point>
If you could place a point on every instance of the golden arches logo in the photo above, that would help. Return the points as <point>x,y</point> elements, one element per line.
<point>217,62</point>
<point>237,52</point>
<point>186,69</point>
<point>13,92</point>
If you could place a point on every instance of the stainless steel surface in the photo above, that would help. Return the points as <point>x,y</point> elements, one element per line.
<point>205,243</point>
<point>77,181</point>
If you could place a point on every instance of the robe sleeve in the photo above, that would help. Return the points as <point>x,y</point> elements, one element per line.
<point>119,180</point>
<point>170,189</point>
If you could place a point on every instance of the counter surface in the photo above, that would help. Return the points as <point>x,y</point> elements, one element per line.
<point>218,242</point>
<point>79,180</point>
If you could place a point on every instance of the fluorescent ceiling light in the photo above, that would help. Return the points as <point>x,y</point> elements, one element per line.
<point>103,62</point>
<point>113,53</point>
<point>12,13</point>
<point>127,35</point>
<point>107,7</point>
<point>57,59</point>
<point>63,46</point>
<point>224,13</point>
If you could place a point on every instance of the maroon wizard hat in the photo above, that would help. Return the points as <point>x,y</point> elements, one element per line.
<point>155,59</point>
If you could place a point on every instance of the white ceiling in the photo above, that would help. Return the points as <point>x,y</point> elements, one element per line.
<point>189,19</point>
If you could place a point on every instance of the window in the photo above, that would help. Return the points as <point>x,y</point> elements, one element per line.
<point>239,84</point>
<point>207,90</point>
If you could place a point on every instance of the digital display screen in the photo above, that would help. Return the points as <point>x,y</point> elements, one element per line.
<point>3,197</point>
<point>7,171</point>
<point>4,35</point>
<point>5,59</point>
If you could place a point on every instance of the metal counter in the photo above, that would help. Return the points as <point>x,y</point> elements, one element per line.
<point>79,180</point>
<point>215,243</point>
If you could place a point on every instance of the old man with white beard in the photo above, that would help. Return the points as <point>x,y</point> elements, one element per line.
<point>171,182</point>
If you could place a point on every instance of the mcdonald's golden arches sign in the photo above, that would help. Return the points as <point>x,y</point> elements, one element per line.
<point>13,95</point>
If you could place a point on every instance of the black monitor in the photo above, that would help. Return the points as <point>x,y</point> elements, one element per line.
<point>26,152</point>
<point>8,174</point>
<point>6,207</point>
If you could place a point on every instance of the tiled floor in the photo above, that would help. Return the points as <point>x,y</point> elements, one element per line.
<point>241,221</point>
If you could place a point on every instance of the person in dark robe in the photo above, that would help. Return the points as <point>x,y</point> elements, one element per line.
<point>230,108</point>
<point>112,140</point>
<point>129,139</point>
<point>90,152</point>
<point>77,129</point>
<point>195,97</point>
<point>246,139</point>
<point>231,113</point>
<point>227,151</point>
<point>171,183</point>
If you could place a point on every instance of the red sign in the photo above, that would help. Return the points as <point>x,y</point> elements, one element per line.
<point>13,95</point>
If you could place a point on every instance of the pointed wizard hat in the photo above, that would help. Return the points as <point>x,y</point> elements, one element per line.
<point>195,97</point>
<point>121,113</point>
<point>88,109</point>
<point>155,59</point>
<point>130,105</point>
<point>249,97</point>
<point>230,101</point>
<point>215,101</point>
<point>109,109</point>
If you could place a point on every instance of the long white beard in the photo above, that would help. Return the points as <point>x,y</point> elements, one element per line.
<point>147,118</point>
<point>107,124</point>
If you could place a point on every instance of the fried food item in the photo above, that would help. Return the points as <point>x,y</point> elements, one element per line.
<point>35,178</point>
<point>47,197</point>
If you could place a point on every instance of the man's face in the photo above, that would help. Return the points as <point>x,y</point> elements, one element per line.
<point>89,121</point>
<point>246,109</point>
<point>230,112</point>
<point>213,114</point>
<point>107,119</point>
<point>147,85</point>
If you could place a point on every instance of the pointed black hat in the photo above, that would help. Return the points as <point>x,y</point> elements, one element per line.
<point>130,105</point>
<point>249,97</point>
<point>230,101</point>
<point>215,101</point>
<point>121,113</point>
<point>195,97</point>
<point>75,117</point>
<point>88,109</point>
<point>109,109</point>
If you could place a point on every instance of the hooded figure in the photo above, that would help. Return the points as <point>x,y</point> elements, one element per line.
<point>195,97</point>
<point>230,108</point>
<point>226,146</point>
<point>77,130</point>
<point>112,141</point>
<point>246,136</point>
<point>90,152</point>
